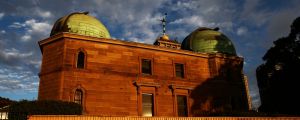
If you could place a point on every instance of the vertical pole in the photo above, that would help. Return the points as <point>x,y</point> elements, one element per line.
<point>164,20</point>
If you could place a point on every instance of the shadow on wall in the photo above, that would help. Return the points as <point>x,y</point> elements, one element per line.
<point>223,92</point>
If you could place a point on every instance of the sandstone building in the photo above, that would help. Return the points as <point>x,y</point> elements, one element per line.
<point>110,77</point>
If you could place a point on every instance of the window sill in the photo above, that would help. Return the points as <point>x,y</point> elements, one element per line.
<point>148,76</point>
<point>180,78</point>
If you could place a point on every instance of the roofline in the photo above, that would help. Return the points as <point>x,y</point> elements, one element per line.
<point>131,44</point>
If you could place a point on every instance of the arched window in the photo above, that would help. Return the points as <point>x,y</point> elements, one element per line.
<point>78,96</point>
<point>80,60</point>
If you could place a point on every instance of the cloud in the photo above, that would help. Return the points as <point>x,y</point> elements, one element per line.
<point>20,56</point>
<point>2,32</point>
<point>16,25</point>
<point>205,13</point>
<point>1,15</point>
<point>198,21</point>
<point>255,100</point>
<point>142,31</point>
<point>13,56</point>
<point>279,25</point>
<point>193,21</point>
<point>14,80</point>
<point>32,27</point>
<point>131,16</point>
<point>38,27</point>
<point>44,14</point>
<point>241,31</point>
<point>36,63</point>
<point>254,13</point>
<point>26,38</point>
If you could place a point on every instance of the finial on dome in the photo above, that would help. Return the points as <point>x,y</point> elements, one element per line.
<point>164,37</point>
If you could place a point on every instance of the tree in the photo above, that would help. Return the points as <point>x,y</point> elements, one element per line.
<point>279,77</point>
<point>5,102</point>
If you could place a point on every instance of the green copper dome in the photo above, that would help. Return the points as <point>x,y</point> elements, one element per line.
<point>80,23</point>
<point>208,40</point>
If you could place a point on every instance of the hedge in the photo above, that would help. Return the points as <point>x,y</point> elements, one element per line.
<point>20,110</point>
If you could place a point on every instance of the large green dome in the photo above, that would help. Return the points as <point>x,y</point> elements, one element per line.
<point>80,23</point>
<point>206,40</point>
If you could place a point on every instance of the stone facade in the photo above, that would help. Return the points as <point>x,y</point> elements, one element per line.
<point>112,82</point>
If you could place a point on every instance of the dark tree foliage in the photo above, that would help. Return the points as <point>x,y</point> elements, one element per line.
<point>240,114</point>
<point>279,77</point>
<point>20,110</point>
<point>5,102</point>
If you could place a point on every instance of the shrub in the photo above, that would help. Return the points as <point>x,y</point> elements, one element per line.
<point>20,110</point>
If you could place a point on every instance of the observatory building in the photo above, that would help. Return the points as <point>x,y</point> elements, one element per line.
<point>109,77</point>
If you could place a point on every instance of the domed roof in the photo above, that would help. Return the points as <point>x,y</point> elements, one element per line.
<point>80,23</point>
<point>208,40</point>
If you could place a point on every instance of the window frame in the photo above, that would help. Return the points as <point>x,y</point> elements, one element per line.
<point>81,97</point>
<point>184,92</point>
<point>76,59</point>
<point>72,96</point>
<point>183,70</point>
<point>141,66</point>
<point>152,104</point>
<point>186,105</point>
<point>146,90</point>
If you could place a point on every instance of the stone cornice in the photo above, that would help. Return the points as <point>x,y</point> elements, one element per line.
<point>132,44</point>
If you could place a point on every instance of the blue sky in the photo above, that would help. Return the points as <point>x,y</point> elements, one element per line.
<point>252,25</point>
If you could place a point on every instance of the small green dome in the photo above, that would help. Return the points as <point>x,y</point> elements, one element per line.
<point>208,40</point>
<point>80,23</point>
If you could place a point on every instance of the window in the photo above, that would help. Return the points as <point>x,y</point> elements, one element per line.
<point>146,66</point>
<point>80,60</point>
<point>181,105</point>
<point>147,105</point>
<point>179,70</point>
<point>78,96</point>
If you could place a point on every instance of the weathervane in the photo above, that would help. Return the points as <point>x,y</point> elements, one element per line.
<point>164,20</point>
